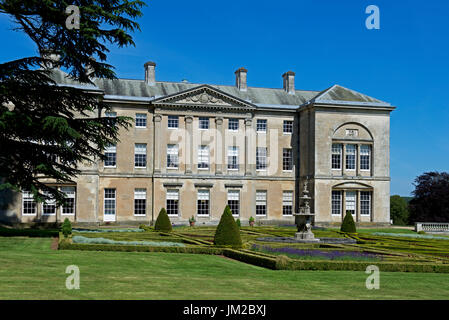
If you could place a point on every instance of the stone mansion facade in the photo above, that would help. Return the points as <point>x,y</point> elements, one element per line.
<point>195,148</point>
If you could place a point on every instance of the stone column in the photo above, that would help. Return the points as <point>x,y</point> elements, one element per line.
<point>343,160</point>
<point>250,150</point>
<point>357,159</point>
<point>157,142</point>
<point>219,146</point>
<point>358,208</point>
<point>189,144</point>
<point>343,204</point>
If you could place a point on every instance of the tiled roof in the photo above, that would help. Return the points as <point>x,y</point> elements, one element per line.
<point>262,97</point>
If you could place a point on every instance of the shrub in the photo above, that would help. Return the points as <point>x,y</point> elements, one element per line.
<point>282,262</point>
<point>7,232</point>
<point>228,232</point>
<point>348,224</point>
<point>163,222</point>
<point>239,224</point>
<point>66,228</point>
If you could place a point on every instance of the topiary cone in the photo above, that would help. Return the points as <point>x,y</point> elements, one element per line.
<point>348,224</point>
<point>227,233</point>
<point>163,222</point>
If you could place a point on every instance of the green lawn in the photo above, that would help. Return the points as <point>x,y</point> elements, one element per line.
<point>31,270</point>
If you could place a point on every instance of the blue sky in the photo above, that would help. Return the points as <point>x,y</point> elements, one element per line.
<point>405,63</point>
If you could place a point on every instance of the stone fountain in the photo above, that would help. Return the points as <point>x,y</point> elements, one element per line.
<point>303,219</point>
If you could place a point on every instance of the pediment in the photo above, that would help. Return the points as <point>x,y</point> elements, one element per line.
<point>204,96</point>
<point>352,185</point>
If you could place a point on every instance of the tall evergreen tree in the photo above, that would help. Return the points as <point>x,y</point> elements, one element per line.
<point>47,129</point>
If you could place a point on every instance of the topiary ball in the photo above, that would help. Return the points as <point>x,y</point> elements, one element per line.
<point>163,222</point>
<point>228,232</point>
<point>348,224</point>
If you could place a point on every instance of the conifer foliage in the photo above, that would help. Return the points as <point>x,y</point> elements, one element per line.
<point>163,222</point>
<point>228,232</point>
<point>47,129</point>
<point>348,224</point>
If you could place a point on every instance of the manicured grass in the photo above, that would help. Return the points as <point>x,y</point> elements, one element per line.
<point>31,270</point>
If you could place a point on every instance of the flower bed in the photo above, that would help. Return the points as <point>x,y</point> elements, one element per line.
<point>107,230</point>
<point>81,239</point>
<point>313,254</point>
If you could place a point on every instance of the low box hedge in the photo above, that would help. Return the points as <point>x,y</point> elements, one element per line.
<point>254,259</point>
<point>293,264</point>
<point>39,233</point>
<point>66,245</point>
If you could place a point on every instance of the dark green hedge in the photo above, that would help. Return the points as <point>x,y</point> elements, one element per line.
<point>163,222</point>
<point>65,245</point>
<point>253,259</point>
<point>348,224</point>
<point>5,232</point>
<point>292,264</point>
<point>228,232</point>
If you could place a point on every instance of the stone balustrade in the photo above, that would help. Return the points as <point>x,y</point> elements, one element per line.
<point>432,226</point>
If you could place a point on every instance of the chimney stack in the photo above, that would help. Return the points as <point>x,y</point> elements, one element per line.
<point>240,79</point>
<point>150,73</point>
<point>289,82</point>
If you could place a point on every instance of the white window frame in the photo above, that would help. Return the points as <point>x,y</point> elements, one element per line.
<point>337,150</point>
<point>290,124</point>
<point>203,120</point>
<point>284,158</point>
<point>111,149</point>
<point>365,150</point>
<point>233,121</point>
<point>171,120</point>
<point>201,196</point>
<point>104,204</point>
<point>173,150</point>
<point>351,201</point>
<point>340,204</point>
<point>261,200</point>
<point>172,194</point>
<point>369,200</point>
<point>140,149</point>
<point>140,194</point>
<point>351,150</point>
<point>232,197</point>
<point>51,202</point>
<point>141,116</point>
<point>233,151</point>
<point>260,157</point>
<point>261,122</point>
<point>287,200</point>
<point>203,157</point>
<point>28,196</point>
<point>70,193</point>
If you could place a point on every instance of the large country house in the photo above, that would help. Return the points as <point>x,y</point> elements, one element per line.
<point>195,148</point>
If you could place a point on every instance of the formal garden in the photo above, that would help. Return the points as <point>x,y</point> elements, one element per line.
<point>395,250</point>
<point>230,261</point>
